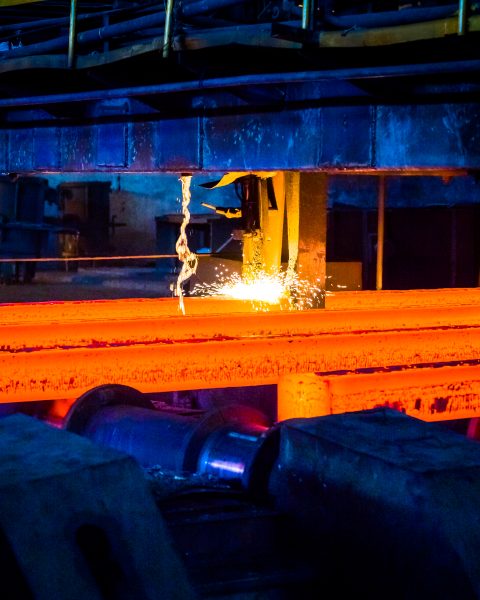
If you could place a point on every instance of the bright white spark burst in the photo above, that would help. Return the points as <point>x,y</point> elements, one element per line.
<point>281,289</point>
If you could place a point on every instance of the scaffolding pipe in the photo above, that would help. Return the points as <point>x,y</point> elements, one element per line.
<point>63,21</point>
<point>72,33</point>
<point>167,29</point>
<point>306,10</point>
<point>380,231</point>
<point>390,18</point>
<point>191,9</point>
<point>462,17</point>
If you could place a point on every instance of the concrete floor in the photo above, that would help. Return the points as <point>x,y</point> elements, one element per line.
<point>101,283</point>
<point>95,282</point>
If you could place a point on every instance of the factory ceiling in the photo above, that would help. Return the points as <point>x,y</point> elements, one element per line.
<point>382,49</point>
<point>311,68</point>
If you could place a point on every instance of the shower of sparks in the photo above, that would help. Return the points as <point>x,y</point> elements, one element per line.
<point>266,291</point>
<point>189,259</point>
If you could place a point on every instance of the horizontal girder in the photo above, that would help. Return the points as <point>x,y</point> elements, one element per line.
<point>411,137</point>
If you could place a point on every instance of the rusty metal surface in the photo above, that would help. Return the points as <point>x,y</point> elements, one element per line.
<point>429,393</point>
<point>430,136</point>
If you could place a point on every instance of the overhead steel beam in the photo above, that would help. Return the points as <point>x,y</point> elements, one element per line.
<point>369,138</point>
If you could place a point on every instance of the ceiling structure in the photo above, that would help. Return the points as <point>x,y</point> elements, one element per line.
<point>232,85</point>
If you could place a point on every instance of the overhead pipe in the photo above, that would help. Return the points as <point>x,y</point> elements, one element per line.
<point>202,85</point>
<point>390,18</point>
<point>63,21</point>
<point>86,37</point>
<point>129,26</point>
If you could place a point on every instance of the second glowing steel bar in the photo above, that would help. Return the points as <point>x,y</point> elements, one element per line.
<point>59,351</point>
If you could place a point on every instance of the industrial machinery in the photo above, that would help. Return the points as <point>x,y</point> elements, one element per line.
<point>85,207</point>
<point>228,506</point>
<point>23,231</point>
<point>300,471</point>
<point>225,450</point>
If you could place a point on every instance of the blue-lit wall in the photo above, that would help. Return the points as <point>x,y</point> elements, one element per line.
<point>137,199</point>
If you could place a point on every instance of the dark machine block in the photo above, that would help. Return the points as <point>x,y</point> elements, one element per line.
<point>78,521</point>
<point>387,503</point>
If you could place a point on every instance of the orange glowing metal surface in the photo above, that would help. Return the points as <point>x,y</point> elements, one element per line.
<point>56,351</point>
<point>430,394</point>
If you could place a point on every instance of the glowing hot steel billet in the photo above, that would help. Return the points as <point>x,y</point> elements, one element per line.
<point>189,259</point>
<point>425,342</point>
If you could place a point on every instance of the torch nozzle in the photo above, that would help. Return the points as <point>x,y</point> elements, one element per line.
<point>229,212</point>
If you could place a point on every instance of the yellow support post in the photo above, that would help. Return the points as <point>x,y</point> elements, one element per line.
<point>272,214</point>
<point>292,196</point>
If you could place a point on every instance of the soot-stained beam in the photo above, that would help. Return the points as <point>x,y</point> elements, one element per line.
<point>391,137</point>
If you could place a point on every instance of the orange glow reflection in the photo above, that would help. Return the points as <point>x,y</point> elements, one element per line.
<point>57,351</point>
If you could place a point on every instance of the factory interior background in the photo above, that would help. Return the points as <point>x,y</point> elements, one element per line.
<point>239,299</point>
<point>430,239</point>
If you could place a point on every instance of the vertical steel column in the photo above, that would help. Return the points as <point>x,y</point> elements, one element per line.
<point>313,231</point>
<point>72,33</point>
<point>366,252</point>
<point>306,14</point>
<point>462,17</point>
<point>252,259</point>
<point>292,201</point>
<point>168,28</point>
<point>272,213</point>
<point>453,248</point>
<point>380,231</point>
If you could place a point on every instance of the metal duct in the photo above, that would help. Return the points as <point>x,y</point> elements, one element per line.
<point>390,18</point>
<point>109,31</point>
